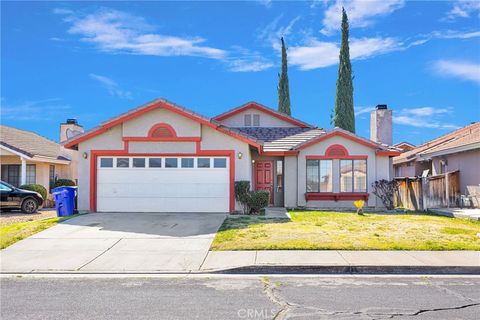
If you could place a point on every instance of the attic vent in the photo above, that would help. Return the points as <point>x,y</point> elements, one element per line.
<point>336,151</point>
<point>162,130</point>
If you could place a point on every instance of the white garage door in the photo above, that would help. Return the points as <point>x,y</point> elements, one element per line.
<point>163,184</point>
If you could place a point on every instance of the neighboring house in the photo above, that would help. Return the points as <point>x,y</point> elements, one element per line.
<point>28,158</point>
<point>404,146</point>
<point>457,150</point>
<point>161,157</point>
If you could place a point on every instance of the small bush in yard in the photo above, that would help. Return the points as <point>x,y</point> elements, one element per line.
<point>63,182</point>
<point>258,200</point>
<point>385,190</point>
<point>251,201</point>
<point>37,188</point>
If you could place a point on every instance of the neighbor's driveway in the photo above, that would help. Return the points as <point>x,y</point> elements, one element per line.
<point>117,242</point>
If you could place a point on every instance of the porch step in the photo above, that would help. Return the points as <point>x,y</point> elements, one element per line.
<point>276,213</point>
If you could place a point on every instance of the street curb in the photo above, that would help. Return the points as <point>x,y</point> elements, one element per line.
<point>352,270</point>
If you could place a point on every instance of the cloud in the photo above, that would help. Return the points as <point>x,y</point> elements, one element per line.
<point>360,13</point>
<point>362,110</point>
<point>318,54</point>
<point>115,31</point>
<point>111,86</point>
<point>464,70</point>
<point>272,32</point>
<point>424,117</point>
<point>265,3</point>
<point>45,109</point>
<point>463,9</point>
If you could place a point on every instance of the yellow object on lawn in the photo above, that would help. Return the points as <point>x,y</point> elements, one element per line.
<point>359,204</point>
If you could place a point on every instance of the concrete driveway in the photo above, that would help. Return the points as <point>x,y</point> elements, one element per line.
<point>117,242</point>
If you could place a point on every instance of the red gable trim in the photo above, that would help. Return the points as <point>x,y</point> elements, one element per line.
<point>341,134</point>
<point>256,106</point>
<point>164,105</point>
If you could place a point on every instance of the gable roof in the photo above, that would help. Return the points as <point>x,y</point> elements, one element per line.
<point>159,103</point>
<point>30,144</point>
<point>462,139</point>
<point>260,107</point>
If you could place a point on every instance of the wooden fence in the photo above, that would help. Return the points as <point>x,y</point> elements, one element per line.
<point>438,191</point>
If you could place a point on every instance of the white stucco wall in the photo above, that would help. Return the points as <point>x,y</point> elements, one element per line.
<point>467,162</point>
<point>290,183</point>
<point>266,120</point>
<point>139,126</point>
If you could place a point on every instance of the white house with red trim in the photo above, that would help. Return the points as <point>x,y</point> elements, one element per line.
<point>161,157</point>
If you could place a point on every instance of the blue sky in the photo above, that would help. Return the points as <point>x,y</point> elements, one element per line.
<point>94,60</point>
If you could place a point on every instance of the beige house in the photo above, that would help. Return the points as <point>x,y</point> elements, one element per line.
<point>28,158</point>
<point>161,157</point>
<point>457,150</point>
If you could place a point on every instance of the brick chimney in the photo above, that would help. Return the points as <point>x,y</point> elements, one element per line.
<point>69,129</point>
<point>381,125</point>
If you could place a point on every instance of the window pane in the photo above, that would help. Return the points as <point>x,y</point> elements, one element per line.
<point>346,176</point>
<point>279,176</point>
<point>138,162</point>
<point>187,162</point>
<point>51,175</point>
<point>106,162</point>
<point>123,162</point>
<point>4,187</point>
<point>256,120</point>
<point>360,175</point>
<point>326,176</point>
<point>203,163</point>
<point>171,163</point>
<point>248,120</point>
<point>31,174</point>
<point>312,176</point>
<point>219,163</point>
<point>155,162</point>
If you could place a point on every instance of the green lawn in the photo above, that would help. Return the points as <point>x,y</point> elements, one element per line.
<point>314,230</point>
<point>14,232</point>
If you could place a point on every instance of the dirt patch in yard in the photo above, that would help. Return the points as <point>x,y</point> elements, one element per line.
<point>10,217</point>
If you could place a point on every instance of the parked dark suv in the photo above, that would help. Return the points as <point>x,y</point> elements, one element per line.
<point>15,198</point>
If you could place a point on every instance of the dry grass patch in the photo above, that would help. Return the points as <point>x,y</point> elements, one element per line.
<point>316,230</point>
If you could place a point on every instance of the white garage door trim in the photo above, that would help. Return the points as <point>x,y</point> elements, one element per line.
<point>163,184</point>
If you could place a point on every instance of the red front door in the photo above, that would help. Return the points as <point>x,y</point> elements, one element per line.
<point>264,176</point>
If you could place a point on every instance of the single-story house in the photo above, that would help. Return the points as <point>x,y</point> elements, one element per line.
<point>457,150</point>
<point>161,157</point>
<point>28,158</point>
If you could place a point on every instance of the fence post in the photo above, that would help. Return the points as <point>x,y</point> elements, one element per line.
<point>424,194</point>
<point>447,192</point>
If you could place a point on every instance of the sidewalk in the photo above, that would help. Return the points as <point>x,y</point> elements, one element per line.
<point>336,261</point>
<point>473,214</point>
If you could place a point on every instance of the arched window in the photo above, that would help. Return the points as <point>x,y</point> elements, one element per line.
<point>162,130</point>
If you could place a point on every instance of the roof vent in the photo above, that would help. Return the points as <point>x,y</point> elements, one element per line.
<point>72,121</point>
<point>381,107</point>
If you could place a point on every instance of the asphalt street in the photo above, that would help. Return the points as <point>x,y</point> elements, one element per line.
<point>240,297</point>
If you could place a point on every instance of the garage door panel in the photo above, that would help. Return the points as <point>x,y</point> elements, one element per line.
<point>163,189</point>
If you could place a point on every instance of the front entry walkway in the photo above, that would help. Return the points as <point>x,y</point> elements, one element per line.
<point>117,242</point>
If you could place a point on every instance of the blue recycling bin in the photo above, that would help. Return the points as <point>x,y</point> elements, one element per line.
<point>64,198</point>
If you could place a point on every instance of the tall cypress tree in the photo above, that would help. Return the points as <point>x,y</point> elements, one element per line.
<point>343,113</point>
<point>283,90</point>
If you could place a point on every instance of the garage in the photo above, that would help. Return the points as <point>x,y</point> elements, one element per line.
<point>163,184</point>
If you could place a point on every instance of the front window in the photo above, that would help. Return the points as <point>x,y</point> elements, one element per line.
<point>353,175</point>
<point>31,174</point>
<point>11,174</point>
<point>319,175</point>
<point>51,176</point>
